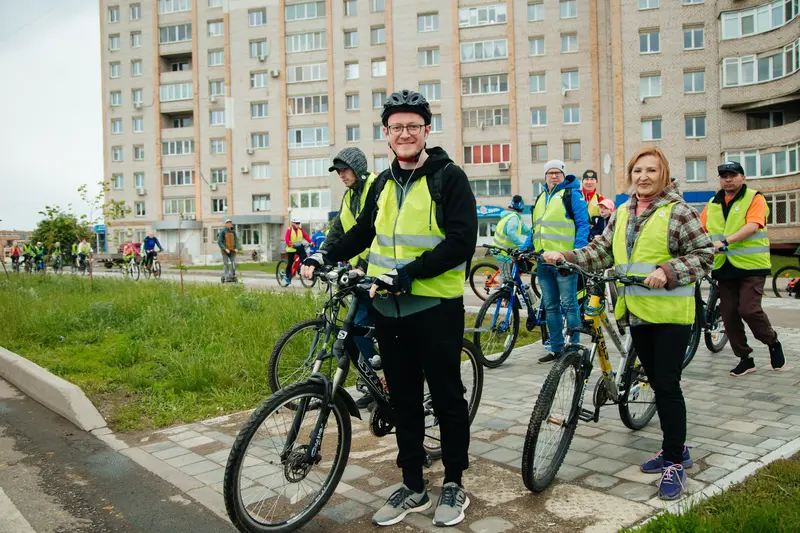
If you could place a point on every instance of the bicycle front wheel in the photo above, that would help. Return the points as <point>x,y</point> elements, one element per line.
<point>497,328</point>
<point>280,274</point>
<point>484,278</point>
<point>553,422</point>
<point>714,335</point>
<point>307,283</point>
<point>472,384</point>
<point>637,400</point>
<point>135,271</point>
<point>784,282</point>
<point>270,485</point>
<point>293,357</point>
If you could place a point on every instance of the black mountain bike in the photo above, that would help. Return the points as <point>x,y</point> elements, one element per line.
<point>707,320</point>
<point>290,455</point>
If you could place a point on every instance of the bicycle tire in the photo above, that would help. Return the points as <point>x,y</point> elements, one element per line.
<point>630,372</point>
<point>694,343</point>
<point>135,272</point>
<point>156,269</point>
<point>273,372</point>
<point>485,349</point>
<point>473,402</point>
<point>479,286</point>
<point>234,505</point>
<point>280,274</point>
<point>784,272</point>
<point>146,271</point>
<point>307,283</point>
<point>541,415</point>
<point>713,312</point>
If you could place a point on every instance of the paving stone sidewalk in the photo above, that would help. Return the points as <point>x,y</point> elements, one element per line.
<point>732,423</point>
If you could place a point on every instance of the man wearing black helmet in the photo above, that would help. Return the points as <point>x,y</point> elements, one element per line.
<point>420,224</point>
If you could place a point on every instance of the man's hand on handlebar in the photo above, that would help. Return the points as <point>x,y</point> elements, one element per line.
<point>312,263</point>
<point>553,257</point>
<point>395,281</point>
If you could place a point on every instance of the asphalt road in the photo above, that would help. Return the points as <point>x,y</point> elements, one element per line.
<point>55,478</point>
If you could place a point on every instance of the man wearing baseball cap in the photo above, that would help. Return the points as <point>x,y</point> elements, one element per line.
<point>228,243</point>
<point>736,218</point>
<point>590,194</point>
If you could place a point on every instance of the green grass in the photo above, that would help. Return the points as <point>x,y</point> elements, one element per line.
<point>145,355</point>
<point>766,502</point>
<point>524,338</point>
<point>268,267</point>
<point>780,261</point>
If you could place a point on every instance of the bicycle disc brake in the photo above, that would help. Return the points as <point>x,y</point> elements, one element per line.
<point>378,425</point>
<point>297,467</point>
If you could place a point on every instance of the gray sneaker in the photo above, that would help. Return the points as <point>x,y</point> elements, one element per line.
<point>452,502</point>
<point>400,503</point>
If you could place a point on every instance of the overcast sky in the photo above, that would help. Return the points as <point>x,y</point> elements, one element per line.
<point>51,140</point>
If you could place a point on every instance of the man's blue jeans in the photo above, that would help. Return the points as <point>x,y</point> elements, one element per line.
<point>557,292</point>
<point>365,346</point>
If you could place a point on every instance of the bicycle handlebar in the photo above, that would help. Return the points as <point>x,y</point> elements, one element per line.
<point>596,278</point>
<point>515,253</point>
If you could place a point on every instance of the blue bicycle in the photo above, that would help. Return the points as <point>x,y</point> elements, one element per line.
<point>497,324</point>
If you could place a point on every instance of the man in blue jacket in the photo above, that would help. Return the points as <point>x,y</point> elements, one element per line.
<point>560,224</point>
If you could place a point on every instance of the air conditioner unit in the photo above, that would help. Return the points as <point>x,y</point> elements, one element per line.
<point>191,217</point>
<point>137,105</point>
<point>141,191</point>
<point>503,166</point>
<point>642,99</point>
<point>275,73</point>
<point>245,170</point>
<point>213,186</point>
<point>250,151</point>
<point>262,58</point>
<point>213,99</point>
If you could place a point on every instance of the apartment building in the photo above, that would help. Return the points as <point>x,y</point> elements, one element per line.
<point>222,108</point>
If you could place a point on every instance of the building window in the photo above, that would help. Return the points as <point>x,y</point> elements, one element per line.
<point>693,2</point>
<point>313,198</point>
<point>535,11</point>
<point>649,4</point>
<point>783,208</point>
<point>353,134</point>
<point>217,117</point>
<point>485,117</point>
<point>117,182</point>
<point>216,88</point>
<point>116,154</point>
<point>259,48</point>
<point>303,73</point>
<point>377,35</point>
<point>766,164</point>
<point>538,117</point>
<point>250,234</point>
<point>136,11</point>
<point>114,70</point>
<point>650,86</point>
<point>765,120</point>
<point>113,42</point>
<point>485,154</point>
<point>432,91</point>
<point>693,38</point>
<point>572,114</point>
<point>378,99</point>
<point>381,163</point>
<point>216,58</point>
<point>538,81</point>
<point>649,42</point>
<point>307,168</point>
<point>175,92</point>
<point>138,153</point>
<point>219,175</point>
<point>257,17</point>
<point>308,105</point>
<point>491,187</point>
<point>182,122</point>
<point>138,124</point>
<point>428,58</point>
<point>177,147</point>
<point>259,141</point>
<point>568,9</point>
<point>378,68</point>
<point>484,50</point>
<point>758,19</point>
<point>569,80</point>
<point>259,110</point>
<point>651,129</point>
<point>309,137</point>
<point>352,102</point>
<point>179,206</point>
<point>536,46</point>
<point>436,124</point>
<point>572,150</point>
<point>491,84</point>
<point>113,14</point>
<point>428,22</point>
<point>695,127</point>
<point>351,38</point>
<point>305,11</point>
<point>116,99</point>
<point>306,42</point>
<point>694,82</point>
<point>175,34</point>
<point>116,125</point>
<point>216,28</point>
<point>261,203</point>
<point>261,171</point>
<point>378,133</point>
<point>351,71</point>
<point>174,6</point>
<point>138,179</point>
<point>258,80</point>
<point>136,39</point>
<point>481,16</point>
<point>350,8</point>
<point>538,153</point>
<point>219,205</point>
<point>377,6</point>
<point>136,96</point>
<point>139,209</point>
<point>695,170</point>
<point>569,43</point>
<point>177,177</point>
<point>136,67</point>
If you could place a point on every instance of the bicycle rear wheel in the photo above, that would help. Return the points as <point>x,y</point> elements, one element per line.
<point>307,283</point>
<point>714,334</point>
<point>499,338</point>
<point>280,274</point>
<point>269,485</point>
<point>553,422</point>
<point>782,282</point>
<point>293,357</point>
<point>484,278</point>
<point>694,342</point>
<point>472,383</point>
<point>637,400</point>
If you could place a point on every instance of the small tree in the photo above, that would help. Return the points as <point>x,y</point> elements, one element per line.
<point>100,208</point>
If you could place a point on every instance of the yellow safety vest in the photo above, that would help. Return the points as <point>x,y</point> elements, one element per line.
<point>296,238</point>
<point>501,238</point>
<point>402,235</point>
<point>594,205</point>
<point>749,254</point>
<point>348,218</point>
<point>657,306</point>
<point>553,230</point>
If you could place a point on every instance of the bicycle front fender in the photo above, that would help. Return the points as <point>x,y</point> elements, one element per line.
<point>349,402</point>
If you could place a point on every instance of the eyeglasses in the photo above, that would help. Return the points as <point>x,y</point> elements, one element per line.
<point>553,173</point>
<point>413,129</point>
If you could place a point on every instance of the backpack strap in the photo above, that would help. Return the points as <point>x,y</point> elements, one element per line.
<point>567,199</point>
<point>435,186</point>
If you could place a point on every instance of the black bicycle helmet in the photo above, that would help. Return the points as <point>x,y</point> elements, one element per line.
<point>405,100</point>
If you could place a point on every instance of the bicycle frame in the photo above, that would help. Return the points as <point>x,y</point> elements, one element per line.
<point>515,286</point>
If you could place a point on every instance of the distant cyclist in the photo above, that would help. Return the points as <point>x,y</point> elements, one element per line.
<point>84,251</point>
<point>16,254</point>
<point>511,231</point>
<point>295,238</point>
<point>27,252</point>
<point>129,251</point>
<point>57,254</point>
<point>39,252</point>
<point>317,238</point>
<point>74,257</point>
<point>149,249</point>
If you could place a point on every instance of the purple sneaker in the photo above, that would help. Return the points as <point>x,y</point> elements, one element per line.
<point>673,480</point>
<point>655,464</point>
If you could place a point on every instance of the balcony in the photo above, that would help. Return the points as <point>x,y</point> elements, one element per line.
<point>763,138</point>
<point>762,94</point>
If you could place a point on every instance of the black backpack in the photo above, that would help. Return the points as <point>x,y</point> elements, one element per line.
<point>435,184</point>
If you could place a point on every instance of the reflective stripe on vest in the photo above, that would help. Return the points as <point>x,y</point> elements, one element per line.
<point>348,218</point>
<point>296,238</point>
<point>657,306</point>
<point>402,235</point>
<point>553,231</point>
<point>751,253</point>
<point>501,237</point>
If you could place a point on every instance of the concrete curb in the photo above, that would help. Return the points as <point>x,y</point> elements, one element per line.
<point>58,395</point>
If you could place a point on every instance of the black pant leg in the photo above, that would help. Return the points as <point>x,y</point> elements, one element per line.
<point>289,263</point>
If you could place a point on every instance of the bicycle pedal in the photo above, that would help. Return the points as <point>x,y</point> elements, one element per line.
<point>587,416</point>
